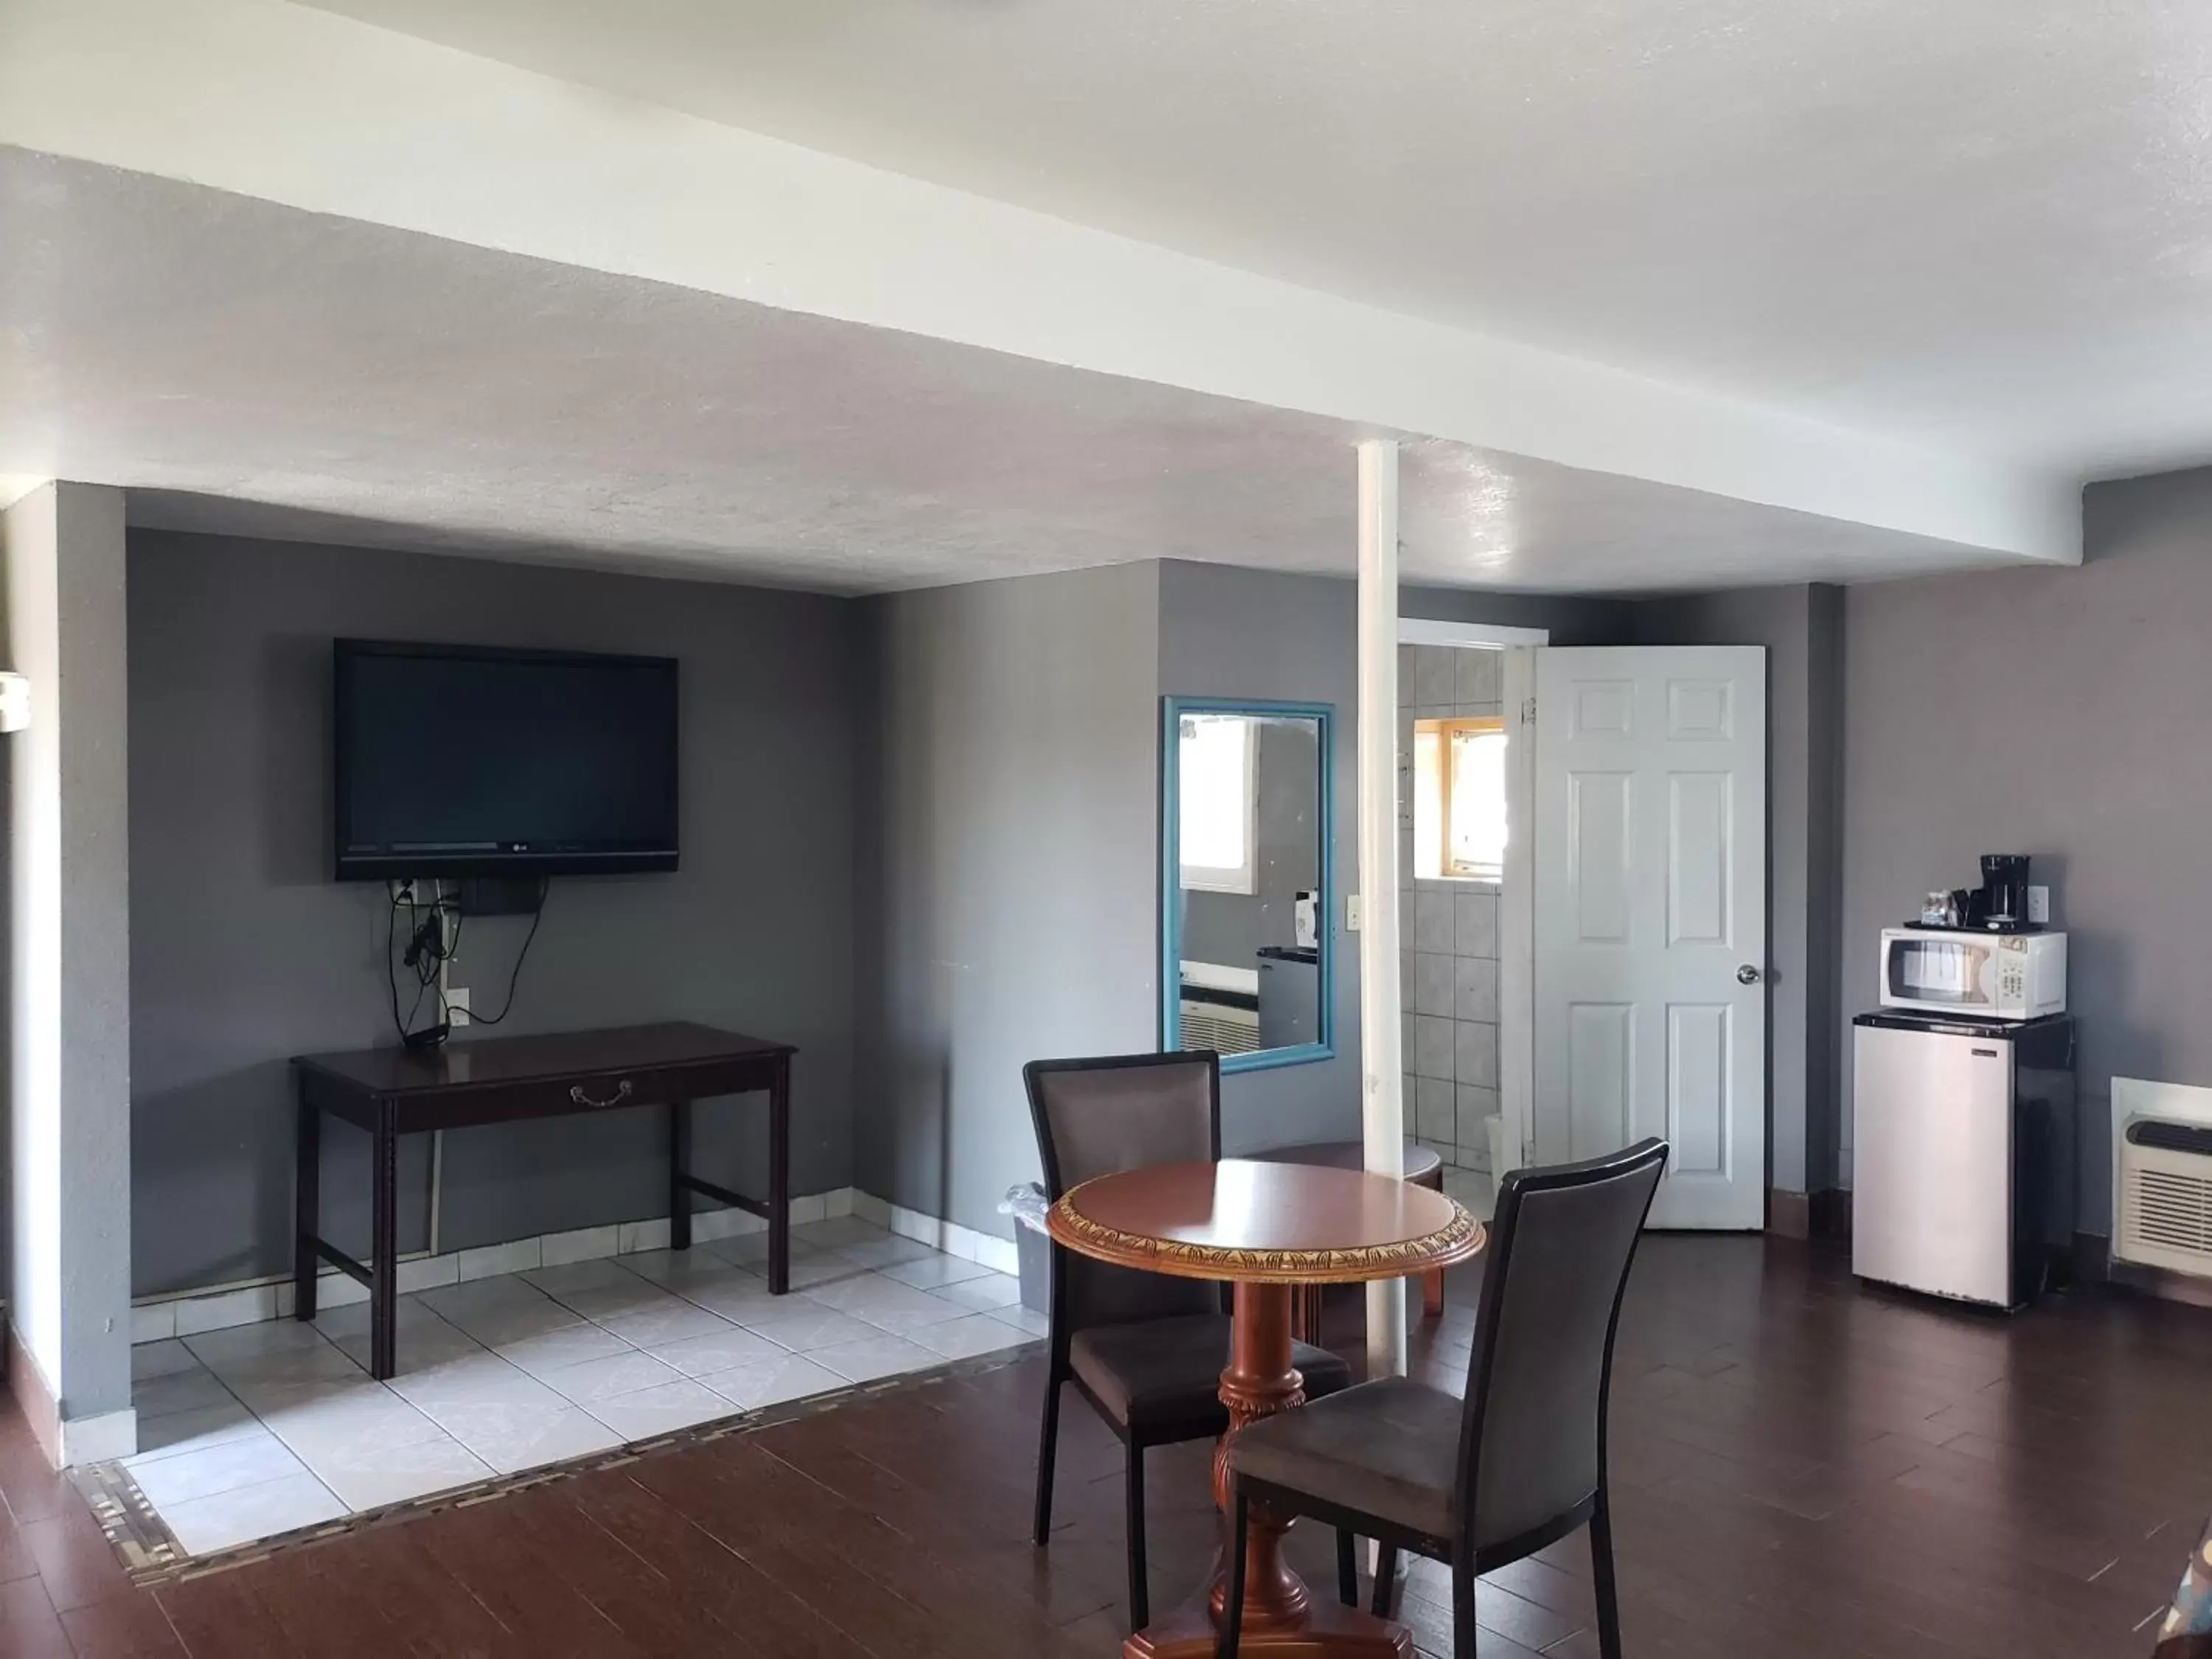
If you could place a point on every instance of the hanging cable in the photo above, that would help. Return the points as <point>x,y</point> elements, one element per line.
<point>515,977</point>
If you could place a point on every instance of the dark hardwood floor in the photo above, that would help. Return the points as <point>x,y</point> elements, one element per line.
<point>1801,1468</point>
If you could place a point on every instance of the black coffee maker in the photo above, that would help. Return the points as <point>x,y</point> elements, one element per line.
<point>2002,905</point>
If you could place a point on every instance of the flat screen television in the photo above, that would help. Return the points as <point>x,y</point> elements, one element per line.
<point>474,761</point>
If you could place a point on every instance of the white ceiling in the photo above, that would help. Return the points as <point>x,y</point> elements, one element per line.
<point>254,368</point>
<point>288,104</point>
<point>1985,225</point>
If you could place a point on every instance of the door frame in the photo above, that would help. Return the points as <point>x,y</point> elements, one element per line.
<point>1516,908</point>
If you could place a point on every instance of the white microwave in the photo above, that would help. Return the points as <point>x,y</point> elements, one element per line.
<point>1978,976</point>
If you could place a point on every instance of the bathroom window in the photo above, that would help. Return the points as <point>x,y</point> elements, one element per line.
<point>1459,797</point>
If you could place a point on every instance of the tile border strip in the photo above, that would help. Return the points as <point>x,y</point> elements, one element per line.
<point>150,1555</point>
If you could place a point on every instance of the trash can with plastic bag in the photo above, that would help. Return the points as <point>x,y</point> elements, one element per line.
<point>1027,1205</point>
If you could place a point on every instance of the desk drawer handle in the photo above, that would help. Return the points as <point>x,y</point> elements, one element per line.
<point>622,1093</point>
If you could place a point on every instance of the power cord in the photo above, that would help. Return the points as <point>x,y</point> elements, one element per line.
<point>515,977</point>
<point>390,973</point>
<point>430,947</point>
<point>428,951</point>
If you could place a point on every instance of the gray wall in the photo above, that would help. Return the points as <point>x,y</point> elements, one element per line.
<point>1578,621</point>
<point>1230,633</point>
<point>69,979</point>
<point>243,951</point>
<point>2061,714</point>
<point>1225,632</point>
<point>1827,719</point>
<point>1800,627</point>
<point>1008,883</point>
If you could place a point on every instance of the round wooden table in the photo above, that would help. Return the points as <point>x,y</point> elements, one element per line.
<point>1265,1228</point>
<point>1422,1168</point>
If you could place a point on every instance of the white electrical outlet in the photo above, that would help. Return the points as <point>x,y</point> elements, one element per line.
<point>457,1005</point>
<point>2038,905</point>
<point>1352,913</point>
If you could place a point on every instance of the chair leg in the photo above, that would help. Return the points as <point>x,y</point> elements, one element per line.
<point>1386,1573</point>
<point>1608,1594</point>
<point>1347,1569</point>
<point>1232,1598</point>
<point>1462,1610</point>
<point>1047,1455</point>
<point>1140,1600</point>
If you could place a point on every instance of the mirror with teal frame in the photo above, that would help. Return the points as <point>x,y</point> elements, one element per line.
<point>1246,964</point>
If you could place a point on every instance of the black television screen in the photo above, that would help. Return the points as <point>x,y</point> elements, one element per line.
<point>457,760</point>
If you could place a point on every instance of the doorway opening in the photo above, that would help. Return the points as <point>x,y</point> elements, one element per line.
<point>1465,895</point>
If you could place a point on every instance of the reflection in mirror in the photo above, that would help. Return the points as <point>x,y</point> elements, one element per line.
<point>1245,908</point>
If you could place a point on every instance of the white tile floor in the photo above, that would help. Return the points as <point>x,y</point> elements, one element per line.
<point>260,1429</point>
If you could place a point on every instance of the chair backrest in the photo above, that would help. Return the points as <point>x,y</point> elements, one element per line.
<point>1532,1437</point>
<point>1100,1116</point>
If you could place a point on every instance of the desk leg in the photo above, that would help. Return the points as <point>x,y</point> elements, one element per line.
<point>679,1152</point>
<point>384,1250</point>
<point>779,1180</point>
<point>307,1206</point>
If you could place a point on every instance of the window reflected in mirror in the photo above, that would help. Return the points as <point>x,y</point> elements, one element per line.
<point>1244,876</point>
<point>1219,801</point>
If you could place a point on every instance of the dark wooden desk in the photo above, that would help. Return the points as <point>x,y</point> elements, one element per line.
<point>393,1092</point>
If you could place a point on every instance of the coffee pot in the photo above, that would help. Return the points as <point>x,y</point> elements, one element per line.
<point>2003,897</point>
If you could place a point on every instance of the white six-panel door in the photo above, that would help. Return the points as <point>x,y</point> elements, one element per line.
<point>1650,918</point>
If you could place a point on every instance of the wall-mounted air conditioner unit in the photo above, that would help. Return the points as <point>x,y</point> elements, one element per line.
<point>2162,1176</point>
<point>1211,1024</point>
<point>1220,1008</point>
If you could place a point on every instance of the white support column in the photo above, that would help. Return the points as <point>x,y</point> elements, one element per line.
<point>1382,1101</point>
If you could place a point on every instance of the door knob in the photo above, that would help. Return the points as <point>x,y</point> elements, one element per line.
<point>1747,975</point>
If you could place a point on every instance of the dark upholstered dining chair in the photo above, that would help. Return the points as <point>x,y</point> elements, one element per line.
<point>1146,1350</point>
<point>1519,1462</point>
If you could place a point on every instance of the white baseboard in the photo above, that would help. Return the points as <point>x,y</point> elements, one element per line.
<point>949,1237</point>
<point>249,1302</point>
<point>100,1439</point>
<point>64,1441</point>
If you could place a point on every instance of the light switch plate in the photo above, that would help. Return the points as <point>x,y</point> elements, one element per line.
<point>2039,904</point>
<point>1352,913</point>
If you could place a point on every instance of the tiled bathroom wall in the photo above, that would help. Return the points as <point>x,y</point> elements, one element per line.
<point>1450,930</point>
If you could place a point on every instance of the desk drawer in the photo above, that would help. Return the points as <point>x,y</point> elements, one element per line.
<point>508,1101</point>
